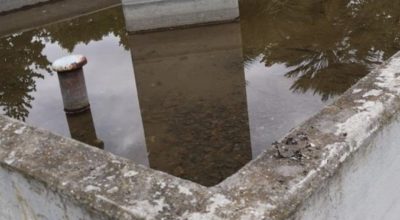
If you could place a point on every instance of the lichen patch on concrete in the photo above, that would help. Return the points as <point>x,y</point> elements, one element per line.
<point>11,158</point>
<point>373,92</point>
<point>20,130</point>
<point>91,188</point>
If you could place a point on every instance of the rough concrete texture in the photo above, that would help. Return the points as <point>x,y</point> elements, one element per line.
<point>8,5</point>
<point>144,15</point>
<point>273,186</point>
<point>367,187</point>
<point>25,199</point>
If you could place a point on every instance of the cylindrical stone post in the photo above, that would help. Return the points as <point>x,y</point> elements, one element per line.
<point>72,83</point>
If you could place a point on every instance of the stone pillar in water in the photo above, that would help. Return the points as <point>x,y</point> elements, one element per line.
<point>72,83</point>
<point>75,98</point>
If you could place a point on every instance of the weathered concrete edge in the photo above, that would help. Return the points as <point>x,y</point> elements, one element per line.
<point>100,181</point>
<point>272,186</point>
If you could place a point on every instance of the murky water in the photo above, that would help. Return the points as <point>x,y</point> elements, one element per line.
<point>199,103</point>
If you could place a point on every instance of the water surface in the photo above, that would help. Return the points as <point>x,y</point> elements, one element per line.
<point>199,103</point>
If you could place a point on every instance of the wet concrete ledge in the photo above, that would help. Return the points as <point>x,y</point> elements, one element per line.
<point>83,182</point>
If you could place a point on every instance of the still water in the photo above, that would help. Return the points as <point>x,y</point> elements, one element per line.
<point>199,103</point>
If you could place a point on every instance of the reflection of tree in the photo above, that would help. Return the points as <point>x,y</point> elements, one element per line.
<point>328,45</point>
<point>89,28</point>
<point>22,61</point>
<point>21,58</point>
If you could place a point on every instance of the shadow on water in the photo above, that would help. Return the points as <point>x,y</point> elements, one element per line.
<point>211,98</point>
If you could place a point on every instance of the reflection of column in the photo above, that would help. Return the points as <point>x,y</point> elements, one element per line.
<point>82,128</point>
<point>192,96</point>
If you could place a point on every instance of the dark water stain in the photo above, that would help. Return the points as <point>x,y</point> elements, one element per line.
<point>199,103</point>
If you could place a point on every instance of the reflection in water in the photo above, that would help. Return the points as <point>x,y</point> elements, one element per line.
<point>21,58</point>
<point>23,62</point>
<point>192,97</point>
<point>81,128</point>
<point>30,91</point>
<point>298,56</point>
<point>326,45</point>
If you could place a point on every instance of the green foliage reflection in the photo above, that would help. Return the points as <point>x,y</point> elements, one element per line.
<point>22,61</point>
<point>328,45</point>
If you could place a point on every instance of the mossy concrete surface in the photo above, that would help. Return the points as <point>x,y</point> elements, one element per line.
<point>91,184</point>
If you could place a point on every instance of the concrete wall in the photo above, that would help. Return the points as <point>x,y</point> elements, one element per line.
<point>145,15</point>
<point>23,198</point>
<point>8,5</point>
<point>340,164</point>
<point>367,187</point>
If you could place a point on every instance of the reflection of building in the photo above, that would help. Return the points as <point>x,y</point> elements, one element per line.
<point>82,128</point>
<point>192,95</point>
